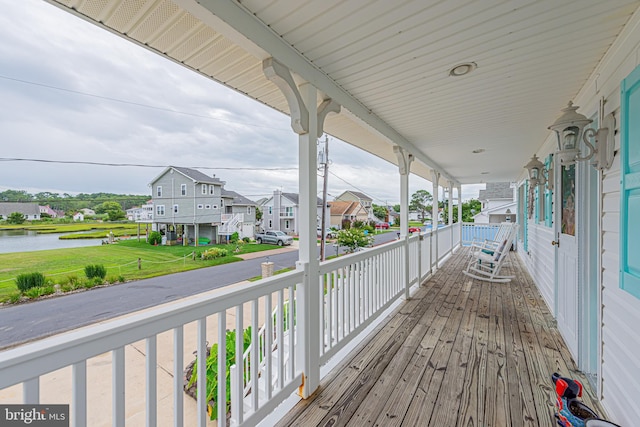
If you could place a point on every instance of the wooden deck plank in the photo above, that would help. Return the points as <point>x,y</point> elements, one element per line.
<point>461,352</point>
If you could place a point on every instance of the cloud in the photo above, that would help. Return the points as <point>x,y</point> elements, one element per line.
<point>72,91</point>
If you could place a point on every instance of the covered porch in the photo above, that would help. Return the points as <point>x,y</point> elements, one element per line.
<point>455,93</point>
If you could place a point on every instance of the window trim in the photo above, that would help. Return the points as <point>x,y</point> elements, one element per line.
<point>160,211</point>
<point>159,190</point>
<point>183,189</point>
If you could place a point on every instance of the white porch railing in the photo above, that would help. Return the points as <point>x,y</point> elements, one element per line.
<point>478,232</point>
<point>353,291</point>
<point>230,223</point>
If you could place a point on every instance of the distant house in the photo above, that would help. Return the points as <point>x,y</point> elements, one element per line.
<point>31,211</point>
<point>239,214</point>
<point>498,204</point>
<point>190,206</point>
<point>78,216</point>
<point>280,212</point>
<point>143,213</point>
<point>47,210</point>
<point>347,211</point>
<point>88,212</point>
<point>357,196</point>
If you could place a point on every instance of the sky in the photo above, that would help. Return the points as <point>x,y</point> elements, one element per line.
<point>72,93</point>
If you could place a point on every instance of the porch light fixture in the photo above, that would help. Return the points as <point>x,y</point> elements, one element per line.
<point>462,69</point>
<point>538,174</point>
<point>570,130</point>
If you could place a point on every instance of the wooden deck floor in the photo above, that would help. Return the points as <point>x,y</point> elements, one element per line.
<point>461,352</point>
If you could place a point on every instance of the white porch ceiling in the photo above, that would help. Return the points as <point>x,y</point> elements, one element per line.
<point>387,63</point>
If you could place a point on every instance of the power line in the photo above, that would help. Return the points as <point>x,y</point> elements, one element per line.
<point>137,104</point>
<point>14,159</point>
<point>360,190</point>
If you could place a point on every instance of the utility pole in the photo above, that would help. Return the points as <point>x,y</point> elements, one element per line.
<point>325,162</point>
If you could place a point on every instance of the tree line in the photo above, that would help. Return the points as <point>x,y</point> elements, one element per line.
<point>422,202</point>
<point>72,203</point>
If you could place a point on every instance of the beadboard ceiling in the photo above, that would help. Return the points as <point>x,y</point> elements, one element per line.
<point>387,63</point>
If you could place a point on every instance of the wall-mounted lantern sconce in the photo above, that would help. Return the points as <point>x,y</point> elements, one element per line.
<point>538,174</point>
<point>570,130</point>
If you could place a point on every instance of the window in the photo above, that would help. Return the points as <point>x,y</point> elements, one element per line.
<point>270,210</point>
<point>204,188</point>
<point>160,210</point>
<point>214,206</point>
<point>207,206</point>
<point>200,206</point>
<point>175,209</point>
<point>286,224</point>
<point>159,191</point>
<point>248,210</point>
<point>270,225</point>
<point>212,190</point>
<point>183,189</point>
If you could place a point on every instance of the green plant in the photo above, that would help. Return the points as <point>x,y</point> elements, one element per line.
<point>67,287</point>
<point>212,370</point>
<point>213,253</point>
<point>234,237</point>
<point>121,279</point>
<point>14,297</point>
<point>354,238</point>
<point>35,292</point>
<point>29,280</point>
<point>95,271</point>
<point>246,239</point>
<point>155,238</point>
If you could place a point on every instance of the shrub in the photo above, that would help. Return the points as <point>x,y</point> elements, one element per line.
<point>35,292</point>
<point>14,297</point>
<point>155,238</point>
<point>121,279</point>
<point>234,237</point>
<point>29,280</point>
<point>213,253</point>
<point>95,271</point>
<point>246,239</point>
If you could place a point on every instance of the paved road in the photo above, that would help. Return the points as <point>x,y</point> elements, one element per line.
<point>27,322</point>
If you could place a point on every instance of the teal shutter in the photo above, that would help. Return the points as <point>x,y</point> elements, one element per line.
<point>548,194</point>
<point>630,192</point>
<point>536,205</point>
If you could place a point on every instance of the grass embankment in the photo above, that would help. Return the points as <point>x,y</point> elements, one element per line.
<point>120,260</point>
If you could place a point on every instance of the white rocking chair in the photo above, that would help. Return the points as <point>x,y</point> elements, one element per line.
<point>486,260</point>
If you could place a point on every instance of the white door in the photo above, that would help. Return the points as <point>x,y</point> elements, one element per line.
<point>567,297</point>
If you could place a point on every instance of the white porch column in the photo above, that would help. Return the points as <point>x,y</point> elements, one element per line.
<point>307,119</point>
<point>460,210</point>
<point>404,166</point>
<point>435,178</point>
<point>450,212</point>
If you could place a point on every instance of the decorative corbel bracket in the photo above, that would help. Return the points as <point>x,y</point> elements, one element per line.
<point>280,75</point>
<point>404,160</point>
<point>327,106</point>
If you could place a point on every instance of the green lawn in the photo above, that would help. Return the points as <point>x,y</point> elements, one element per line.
<point>120,259</point>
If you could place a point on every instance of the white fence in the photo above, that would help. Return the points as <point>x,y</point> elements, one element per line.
<point>352,290</point>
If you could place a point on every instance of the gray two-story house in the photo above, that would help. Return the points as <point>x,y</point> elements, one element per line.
<point>187,206</point>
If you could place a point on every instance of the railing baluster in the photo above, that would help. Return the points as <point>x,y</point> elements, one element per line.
<point>117,364</point>
<point>152,383</point>
<point>79,394</point>
<point>255,359</point>
<point>280,338</point>
<point>292,334</point>
<point>330,323</point>
<point>238,396</point>
<point>201,400</point>
<point>322,311</point>
<point>178,366</point>
<point>268,345</point>
<point>222,368</point>
<point>31,391</point>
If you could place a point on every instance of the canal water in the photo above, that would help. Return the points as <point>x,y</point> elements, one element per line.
<point>28,240</point>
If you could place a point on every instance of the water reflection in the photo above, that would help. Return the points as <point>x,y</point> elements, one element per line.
<point>29,240</point>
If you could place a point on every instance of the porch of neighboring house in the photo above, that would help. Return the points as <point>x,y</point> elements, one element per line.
<point>459,352</point>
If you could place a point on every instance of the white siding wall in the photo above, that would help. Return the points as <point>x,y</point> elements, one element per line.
<point>540,260</point>
<point>620,333</point>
